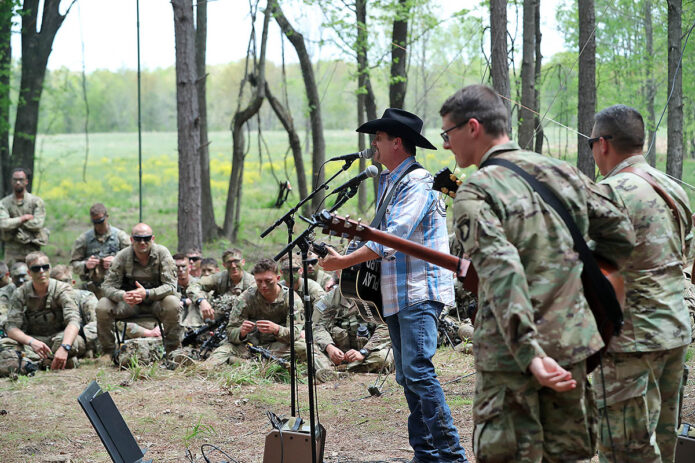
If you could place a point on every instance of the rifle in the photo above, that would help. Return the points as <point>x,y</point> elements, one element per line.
<point>266,354</point>
<point>219,335</point>
<point>192,335</point>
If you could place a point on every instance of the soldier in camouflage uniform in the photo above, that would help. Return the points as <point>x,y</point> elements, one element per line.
<point>344,338</point>
<point>234,280</point>
<point>689,296</point>
<point>5,278</point>
<point>95,249</point>
<point>316,292</point>
<point>644,365</point>
<point>260,316</point>
<point>44,319</point>
<point>533,327</point>
<point>195,259</point>
<point>141,279</point>
<point>190,314</point>
<point>208,266</point>
<point>316,273</point>
<point>22,217</point>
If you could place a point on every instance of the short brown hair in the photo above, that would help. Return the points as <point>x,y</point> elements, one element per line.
<point>97,209</point>
<point>236,252</point>
<point>624,124</point>
<point>478,102</point>
<point>33,257</point>
<point>179,256</point>
<point>61,272</point>
<point>265,265</point>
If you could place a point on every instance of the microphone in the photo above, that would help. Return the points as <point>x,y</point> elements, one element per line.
<point>369,172</point>
<point>366,154</point>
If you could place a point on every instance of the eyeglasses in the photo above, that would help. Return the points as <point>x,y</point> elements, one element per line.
<point>445,134</point>
<point>194,258</point>
<point>233,262</point>
<point>294,270</point>
<point>38,268</point>
<point>143,238</point>
<point>591,141</point>
<point>312,261</point>
<point>99,220</point>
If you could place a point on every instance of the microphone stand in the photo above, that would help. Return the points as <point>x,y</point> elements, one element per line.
<point>303,241</point>
<point>288,219</point>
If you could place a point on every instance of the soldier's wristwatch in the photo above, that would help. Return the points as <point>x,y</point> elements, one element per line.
<point>364,352</point>
<point>67,347</point>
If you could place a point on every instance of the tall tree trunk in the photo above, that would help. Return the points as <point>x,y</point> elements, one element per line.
<point>674,153</point>
<point>295,145</point>
<point>207,211</point>
<point>6,13</point>
<point>190,232</point>
<point>528,92</point>
<point>361,46</point>
<point>234,193</point>
<point>36,48</point>
<point>318,144</point>
<point>650,87</point>
<point>537,98</point>
<point>586,106</point>
<point>499,66</point>
<point>399,40</point>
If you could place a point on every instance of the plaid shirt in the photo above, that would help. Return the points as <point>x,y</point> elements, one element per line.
<point>415,213</point>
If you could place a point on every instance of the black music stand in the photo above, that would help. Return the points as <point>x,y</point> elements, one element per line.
<point>110,426</point>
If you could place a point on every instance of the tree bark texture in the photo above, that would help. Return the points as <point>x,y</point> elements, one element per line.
<point>361,46</point>
<point>241,116</point>
<point>537,98</point>
<point>36,48</point>
<point>6,13</point>
<point>528,71</point>
<point>499,66</point>
<point>318,153</point>
<point>295,145</point>
<point>399,39</point>
<point>207,211</point>
<point>190,234</point>
<point>586,106</point>
<point>649,85</point>
<point>674,128</point>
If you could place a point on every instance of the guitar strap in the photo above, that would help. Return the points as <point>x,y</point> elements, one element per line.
<point>596,285</point>
<point>386,197</point>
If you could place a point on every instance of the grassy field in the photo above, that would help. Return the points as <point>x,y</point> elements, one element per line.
<point>112,178</point>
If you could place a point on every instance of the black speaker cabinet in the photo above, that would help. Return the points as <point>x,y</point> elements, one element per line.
<point>685,446</point>
<point>293,446</point>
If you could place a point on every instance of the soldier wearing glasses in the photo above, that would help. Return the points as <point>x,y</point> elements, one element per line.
<point>44,318</point>
<point>233,280</point>
<point>195,260</point>
<point>141,279</point>
<point>95,249</point>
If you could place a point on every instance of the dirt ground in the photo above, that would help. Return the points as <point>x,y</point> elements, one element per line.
<point>172,411</point>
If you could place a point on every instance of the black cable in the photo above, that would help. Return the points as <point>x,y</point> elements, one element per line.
<point>217,449</point>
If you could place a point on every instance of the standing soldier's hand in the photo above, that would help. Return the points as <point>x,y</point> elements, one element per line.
<point>106,262</point>
<point>92,262</point>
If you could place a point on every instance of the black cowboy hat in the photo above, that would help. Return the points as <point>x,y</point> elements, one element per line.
<point>399,123</point>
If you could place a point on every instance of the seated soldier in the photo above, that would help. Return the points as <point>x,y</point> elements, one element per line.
<point>316,273</point>
<point>191,315</point>
<point>5,272</point>
<point>194,259</point>
<point>260,316</point>
<point>141,280</point>
<point>18,276</point>
<point>350,343</point>
<point>234,280</point>
<point>316,292</point>
<point>44,320</point>
<point>208,266</point>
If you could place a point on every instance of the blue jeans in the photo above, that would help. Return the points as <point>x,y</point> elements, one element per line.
<point>431,429</point>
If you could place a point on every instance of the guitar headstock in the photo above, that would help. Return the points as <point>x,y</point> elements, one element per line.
<point>446,182</point>
<point>343,227</point>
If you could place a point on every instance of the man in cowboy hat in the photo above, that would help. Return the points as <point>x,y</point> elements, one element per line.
<point>413,291</point>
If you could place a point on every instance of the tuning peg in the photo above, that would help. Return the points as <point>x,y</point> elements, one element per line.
<point>445,190</point>
<point>347,222</point>
<point>359,226</point>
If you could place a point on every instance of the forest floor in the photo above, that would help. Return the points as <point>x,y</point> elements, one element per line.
<point>171,412</point>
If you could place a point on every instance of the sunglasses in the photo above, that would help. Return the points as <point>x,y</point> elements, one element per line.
<point>194,258</point>
<point>38,268</point>
<point>312,261</point>
<point>234,262</point>
<point>142,239</point>
<point>98,221</point>
<point>591,141</point>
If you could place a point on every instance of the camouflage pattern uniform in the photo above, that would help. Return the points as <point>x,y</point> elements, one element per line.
<point>530,303</point>
<point>644,365</point>
<point>336,321</point>
<point>689,296</point>
<point>158,277</point>
<point>87,303</point>
<point>322,277</point>
<point>90,244</point>
<point>190,314</point>
<point>5,295</point>
<point>251,305</point>
<point>22,238</point>
<point>217,285</point>
<point>316,292</point>
<point>44,318</point>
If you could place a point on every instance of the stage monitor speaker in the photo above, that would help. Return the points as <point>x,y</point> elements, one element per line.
<point>287,446</point>
<point>685,445</point>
